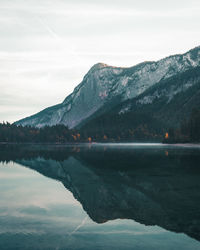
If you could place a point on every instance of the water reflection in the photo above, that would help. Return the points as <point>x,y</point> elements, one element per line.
<point>157,186</point>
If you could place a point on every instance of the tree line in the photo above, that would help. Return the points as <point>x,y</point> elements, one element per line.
<point>11,133</point>
<point>189,131</point>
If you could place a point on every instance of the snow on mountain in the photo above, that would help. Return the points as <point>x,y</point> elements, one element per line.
<point>103,83</point>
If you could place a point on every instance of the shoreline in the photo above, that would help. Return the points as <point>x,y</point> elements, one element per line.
<point>197,144</point>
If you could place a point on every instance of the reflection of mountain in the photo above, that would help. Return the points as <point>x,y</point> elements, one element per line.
<point>153,187</point>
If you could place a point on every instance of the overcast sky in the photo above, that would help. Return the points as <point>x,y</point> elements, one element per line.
<point>47,46</point>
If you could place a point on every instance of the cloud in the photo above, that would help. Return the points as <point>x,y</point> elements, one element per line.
<point>46,48</point>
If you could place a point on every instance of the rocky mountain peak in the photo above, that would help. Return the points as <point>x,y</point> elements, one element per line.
<point>105,84</point>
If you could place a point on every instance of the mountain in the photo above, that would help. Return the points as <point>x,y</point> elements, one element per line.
<point>105,87</point>
<point>166,104</point>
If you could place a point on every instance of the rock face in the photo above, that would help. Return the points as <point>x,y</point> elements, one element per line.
<point>164,105</point>
<point>105,86</point>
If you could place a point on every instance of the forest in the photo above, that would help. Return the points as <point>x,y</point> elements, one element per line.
<point>189,131</point>
<point>11,133</point>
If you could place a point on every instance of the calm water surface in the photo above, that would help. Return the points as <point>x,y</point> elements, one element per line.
<point>100,196</point>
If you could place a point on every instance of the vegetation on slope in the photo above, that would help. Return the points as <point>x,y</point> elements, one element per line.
<point>122,131</point>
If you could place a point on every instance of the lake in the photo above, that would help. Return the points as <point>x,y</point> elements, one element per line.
<point>100,196</point>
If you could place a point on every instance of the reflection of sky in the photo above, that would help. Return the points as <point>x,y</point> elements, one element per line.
<point>36,211</point>
<point>14,179</point>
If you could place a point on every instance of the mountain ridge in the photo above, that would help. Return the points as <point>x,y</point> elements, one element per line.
<point>103,83</point>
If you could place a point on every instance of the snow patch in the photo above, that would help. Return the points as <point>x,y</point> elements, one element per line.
<point>124,81</point>
<point>69,107</point>
<point>103,94</point>
<point>124,110</point>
